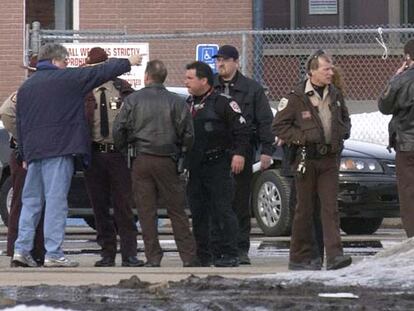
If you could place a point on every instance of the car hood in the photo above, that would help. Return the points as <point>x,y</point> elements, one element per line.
<point>362,149</point>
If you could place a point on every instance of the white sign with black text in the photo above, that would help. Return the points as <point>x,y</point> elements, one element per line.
<point>79,51</point>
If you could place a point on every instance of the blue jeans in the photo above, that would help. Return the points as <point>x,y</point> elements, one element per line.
<point>47,184</point>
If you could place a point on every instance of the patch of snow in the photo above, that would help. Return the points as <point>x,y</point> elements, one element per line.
<point>390,268</point>
<point>35,308</point>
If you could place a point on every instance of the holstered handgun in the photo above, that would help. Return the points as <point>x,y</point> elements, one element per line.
<point>180,161</point>
<point>132,154</point>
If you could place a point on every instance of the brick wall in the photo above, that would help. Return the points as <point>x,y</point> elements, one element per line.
<point>11,47</point>
<point>167,16</point>
<point>137,16</point>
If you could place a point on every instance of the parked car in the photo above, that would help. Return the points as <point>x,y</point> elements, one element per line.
<point>367,189</point>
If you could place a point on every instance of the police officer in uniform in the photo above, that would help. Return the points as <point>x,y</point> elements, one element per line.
<point>108,179</point>
<point>219,151</point>
<point>18,175</point>
<point>256,110</point>
<point>397,100</point>
<point>314,120</point>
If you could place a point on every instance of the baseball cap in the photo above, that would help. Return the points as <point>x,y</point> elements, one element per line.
<point>227,51</point>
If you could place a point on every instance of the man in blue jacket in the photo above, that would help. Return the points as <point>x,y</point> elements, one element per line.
<point>52,128</point>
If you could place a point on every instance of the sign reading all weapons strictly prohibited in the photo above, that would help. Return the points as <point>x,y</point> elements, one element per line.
<point>79,51</point>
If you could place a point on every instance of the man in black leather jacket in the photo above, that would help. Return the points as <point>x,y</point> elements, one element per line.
<point>255,108</point>
<point>158,124</point>
<point>398,100</point>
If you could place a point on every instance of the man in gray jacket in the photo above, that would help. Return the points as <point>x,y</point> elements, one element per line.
<point>397,99</point>
<point>158,124</point>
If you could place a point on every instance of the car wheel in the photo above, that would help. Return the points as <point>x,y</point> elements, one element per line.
<point>6,194</point>
<point>90,220</point>
<point>353,225</point>
<point>271,193</point>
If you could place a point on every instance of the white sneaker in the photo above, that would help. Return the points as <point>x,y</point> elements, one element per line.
<point>60,262</point>
<point>20,260</point>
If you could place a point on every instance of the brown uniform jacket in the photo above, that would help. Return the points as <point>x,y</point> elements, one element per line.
<point>8,114</point>
<point>298,121</point>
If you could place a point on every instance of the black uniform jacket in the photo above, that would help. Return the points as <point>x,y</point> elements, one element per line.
<point>218,125</point>
<point>255,108</point>
<point>299,123</point>
<point>398,100</point>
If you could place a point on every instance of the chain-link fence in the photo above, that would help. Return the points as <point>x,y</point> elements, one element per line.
<point>276,58</point>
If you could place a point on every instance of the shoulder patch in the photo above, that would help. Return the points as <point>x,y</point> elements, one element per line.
<point>14,98</point>
<point>235,106</point>
<point>282,104</point>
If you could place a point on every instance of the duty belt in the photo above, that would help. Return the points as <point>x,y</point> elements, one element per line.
<point>213,154</point>
<point>317,151</point>
<point>104,148</point>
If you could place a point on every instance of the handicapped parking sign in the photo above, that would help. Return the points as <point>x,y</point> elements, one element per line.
<point>205,53</point>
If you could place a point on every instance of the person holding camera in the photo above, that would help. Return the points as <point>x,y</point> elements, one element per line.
<point>313,120</point>
<point>18,175</point>
<point>397,100</point>
<point>157,123</point>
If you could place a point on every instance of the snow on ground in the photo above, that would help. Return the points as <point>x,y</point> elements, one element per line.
<point>390,268</point>
<point>370,127</point>
<point>35,308</point>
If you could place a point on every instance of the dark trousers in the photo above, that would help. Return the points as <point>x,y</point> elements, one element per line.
<point>210,193</point>
<point>318,248</point>
<point>241,207</point>
<point>405,183</point>
<point>320,180</point>
<point>241,203</point>
<point>153,177</point>
<point>108,184</point>
<point>18,175</point>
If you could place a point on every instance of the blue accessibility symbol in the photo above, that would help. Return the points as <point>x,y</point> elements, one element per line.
<point>205,53</point>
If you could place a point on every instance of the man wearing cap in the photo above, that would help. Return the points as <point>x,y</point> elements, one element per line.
<point>108,180</point>
<point>255,108</point>
<point>18,175</point>
<point>52,128</point>
<point>314,121</point>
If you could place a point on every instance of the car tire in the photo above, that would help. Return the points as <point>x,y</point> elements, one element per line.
<point>6,193</point>
<point>90,220</point>
<point>354,225</point>
<point>271,203</point>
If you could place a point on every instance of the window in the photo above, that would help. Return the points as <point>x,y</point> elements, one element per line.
<point>52,14</point>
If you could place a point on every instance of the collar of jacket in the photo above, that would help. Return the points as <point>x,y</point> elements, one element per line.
<point>155,85</point>
<point>238,83</point>
<point>46,65</point>
<point>299,91</point>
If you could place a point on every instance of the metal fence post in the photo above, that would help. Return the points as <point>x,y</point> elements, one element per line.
<point>35,37</point>
<point>244,54</point>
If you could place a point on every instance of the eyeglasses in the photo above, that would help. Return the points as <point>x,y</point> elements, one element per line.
<point>317,54</point>
<point>314,57</point>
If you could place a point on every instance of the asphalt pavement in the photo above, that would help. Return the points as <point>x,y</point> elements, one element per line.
<point>269,255</point>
